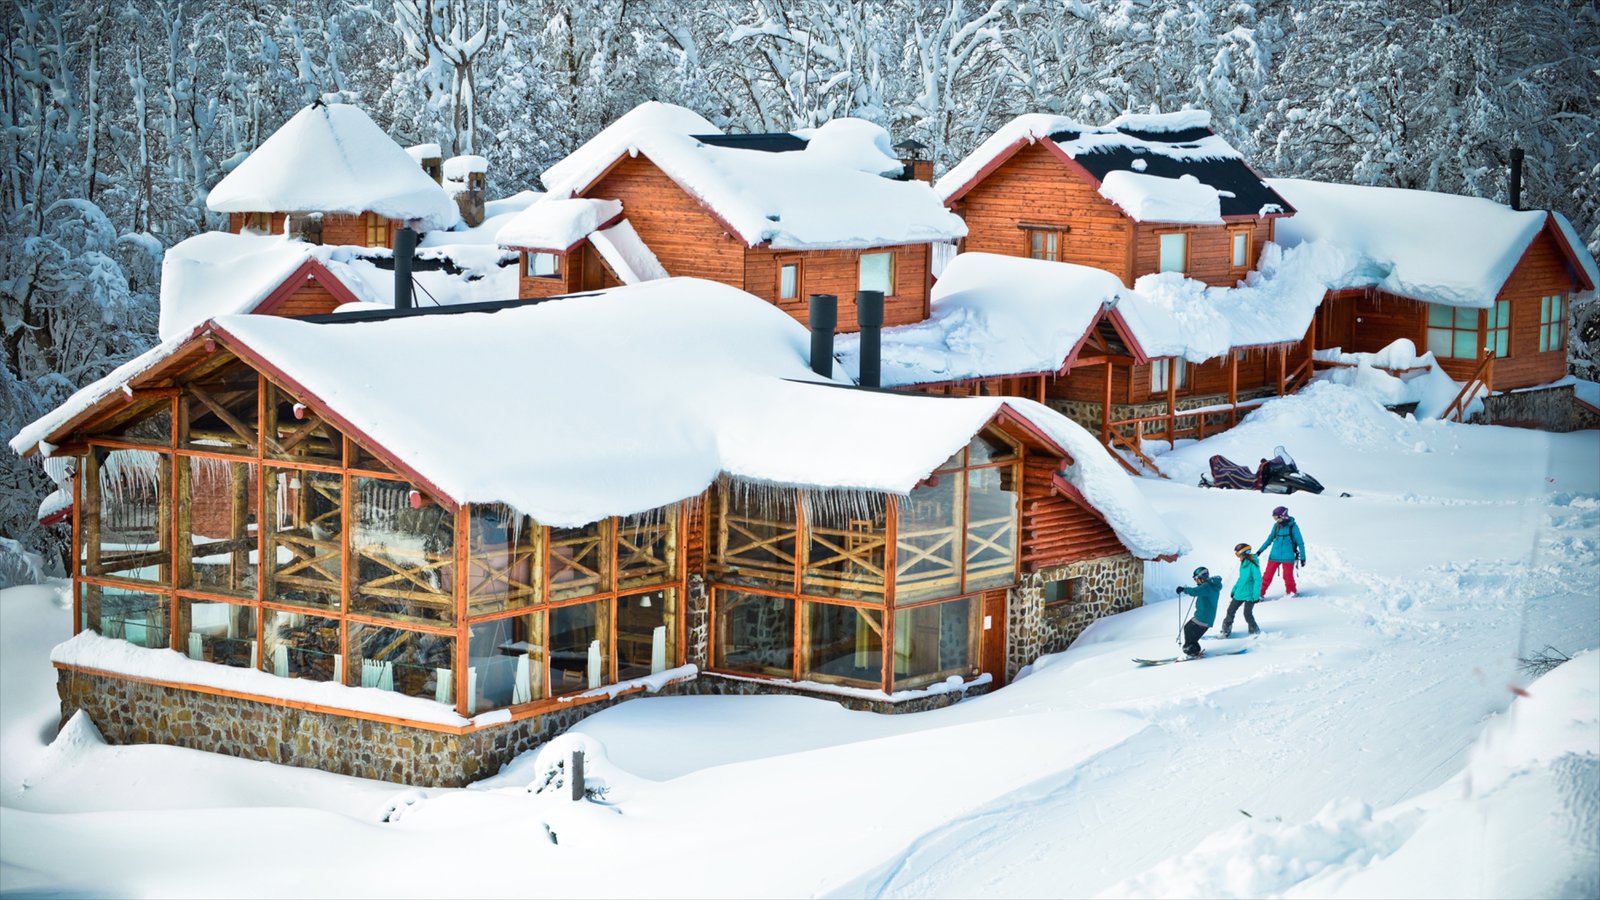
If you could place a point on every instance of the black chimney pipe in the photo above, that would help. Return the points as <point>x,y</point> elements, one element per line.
<point>1516,178</point>
<point>869,312</point>
<point>405,245</point>
<point>824,318</point>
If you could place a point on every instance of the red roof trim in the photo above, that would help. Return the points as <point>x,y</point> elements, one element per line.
<point>57,517</point>
<point>1070,491</point>
<point>310,270</point>
<point>1123,331</point>
<point>1566,248</point>
<point>1010,416</point>
<point>731,231</point>
<point>989,168</point>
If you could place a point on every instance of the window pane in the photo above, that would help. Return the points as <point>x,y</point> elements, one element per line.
<point>218,411</point>
<point>1440,316</point>
<point>848,545</point>
<point>1502,311</point>
<point>1544,338</point>
<point>295,431</point>
<point>1158,375</point>
<point>1181,367</point>
<point>646,633</point>
<point>755,633</point>
<point>928,547</point>
<point>221,534</point>
<point>877,272</point>
<point>1501,337</point>
<point>580,647</point>
<point>647,550</point>
<point>297,645</point>
<point>404,557</point>
<point>988,448</point>
<point>992,511</point>
<point>931,643</point>
<point>149,422</point>
<point>1064,591</point>
<point>1440,342</point>
<point>1241,246</point>
<point>1466,318</point>
<point>845,644</point>
<point>1466,345</point>
<point>755,536</point>
<point>305,537</point>
<point>1544,309</point>
<point>788,281</point>
<point>133,616</point>
<point>406,662</point>
<point>580,560</point>
<point>502,559</point>
<point>1174,253</point>
<point>132,493</point>
<point>505,663</point>
<point>223,633</point>
<point>543,265</point>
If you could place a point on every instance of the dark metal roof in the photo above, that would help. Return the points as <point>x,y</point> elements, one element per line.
<point>378,315</point>
<point>773,142</point>
<point>1233,175</point>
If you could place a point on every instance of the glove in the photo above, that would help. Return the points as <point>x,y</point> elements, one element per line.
<point>1178,591</point>
<point>1302,564</point>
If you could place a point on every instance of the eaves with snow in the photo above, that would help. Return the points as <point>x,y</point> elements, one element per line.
<point>332,158</point>
<point>1166,168</point>
<point>652,392</point>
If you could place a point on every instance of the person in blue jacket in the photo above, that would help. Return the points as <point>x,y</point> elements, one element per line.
<point>1288,550</point>
<point>1207,588</point>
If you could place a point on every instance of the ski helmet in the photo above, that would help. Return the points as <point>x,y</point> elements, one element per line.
<point>1281,512</point>
<point>1240,548</point>
<point>1202,574</point>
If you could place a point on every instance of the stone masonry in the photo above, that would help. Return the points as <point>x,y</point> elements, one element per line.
<point>1110,585</point>
<point>1550,409</point>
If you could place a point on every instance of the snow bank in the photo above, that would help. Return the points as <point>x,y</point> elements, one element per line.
<point>1150,198</point>
<point>626,253</point>
<point>333,158</point>
<point>993,315</point>
<point>853,144</point>
<point>792,200</point>
<point>1438,248</point>
<point>1431,389</point>
<point>556,224</point>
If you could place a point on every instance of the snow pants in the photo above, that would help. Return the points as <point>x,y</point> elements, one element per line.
<point>1272,568</point>
<point>1191,637</point>
<point>1249,615</point>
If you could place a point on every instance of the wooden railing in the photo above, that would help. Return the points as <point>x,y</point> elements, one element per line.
<point>1481,380</point>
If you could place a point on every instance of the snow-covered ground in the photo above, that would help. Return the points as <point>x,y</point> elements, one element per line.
<point>1370,743</point>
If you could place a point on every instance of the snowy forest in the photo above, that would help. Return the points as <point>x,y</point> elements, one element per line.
<point>120,114</point>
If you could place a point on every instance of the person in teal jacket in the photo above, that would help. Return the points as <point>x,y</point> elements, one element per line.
<point>1207,588</point>
<point>1288,550</point>
<point>1246,591</point>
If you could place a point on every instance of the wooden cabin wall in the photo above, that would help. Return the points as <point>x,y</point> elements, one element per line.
<point>1034,187</point>
<point>1210,250</point>
<point>338,228</point>
<point>593,273</point>
<point>1087,384</point>
<point>1336,322</point>
<point>1542,271</point>
<point>566,282</point>
<point>1056,530</point>
<point>275,222</point>
<point>686,238</point>
<point>311,298</point>
<point>838,272</point>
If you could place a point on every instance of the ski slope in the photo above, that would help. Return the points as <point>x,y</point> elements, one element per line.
<point>1369,743</point>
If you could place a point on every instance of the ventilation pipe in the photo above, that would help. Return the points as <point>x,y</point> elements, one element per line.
<point>824,319</point>
<point>869,312</point>
<point>1516,178</point>
<point>405,245</point>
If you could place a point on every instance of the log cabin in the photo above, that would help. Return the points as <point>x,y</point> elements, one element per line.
<point>330,175</point>
<point>330,558</point>
<point>830,210</point>
<point>1140,195</point>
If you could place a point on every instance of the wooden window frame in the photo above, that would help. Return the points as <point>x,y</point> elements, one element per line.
<point>860,257</point>
<point>1045,232</point>
<point>799,278</point>
<point>1188,249</point>
<point>1455,328</point>
<point>1165,365</point>
<point>372,222</point>
<point>1494,331</point>
<point>559,260</point>
<point>1553,321</point>
<point>1073,591</point>
<point>1248,233</point>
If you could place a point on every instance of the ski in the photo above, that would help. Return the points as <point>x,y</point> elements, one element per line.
<point>1230,637</point>
<point>1178,659</point>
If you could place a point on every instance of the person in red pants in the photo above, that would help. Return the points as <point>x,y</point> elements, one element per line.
<point>1288,550</point>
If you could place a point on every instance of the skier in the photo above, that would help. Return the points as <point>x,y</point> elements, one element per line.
<point>1246,591</point>
<point>1288,550</point>
<point>1205,591</point>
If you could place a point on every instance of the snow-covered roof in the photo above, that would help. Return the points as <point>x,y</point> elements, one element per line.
<point>726,389</point>
<point>1438,248</point>
<point>625,252</point>
<point>333,158</point>
<point>994,315</point>
<point>1181,171</point>
<point>420,152</point>
<point>457,168</point>
<point>553,224</point>
<point>829,195</point>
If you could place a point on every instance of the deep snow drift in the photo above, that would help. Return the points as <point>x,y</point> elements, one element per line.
<point>1370,743</point>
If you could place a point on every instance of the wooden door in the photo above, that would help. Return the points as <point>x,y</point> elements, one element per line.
<point>992,636</point>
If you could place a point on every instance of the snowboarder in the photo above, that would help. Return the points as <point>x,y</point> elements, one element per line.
<point>1205,591</point>
<point>1246,591</point>
<point>1288,550</point>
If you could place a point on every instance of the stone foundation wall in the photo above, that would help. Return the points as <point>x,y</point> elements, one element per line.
<point>1110,585</point>
<point>1550,409</point>
<point>697,607</point>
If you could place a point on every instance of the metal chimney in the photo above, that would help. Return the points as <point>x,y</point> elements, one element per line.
<point>1516,178</point>
<point>405,245</point>
<point>824,318</point>
<point>869,312</point>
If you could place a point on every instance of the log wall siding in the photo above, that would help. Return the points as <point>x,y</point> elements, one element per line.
<point>1087,383</point>
<point>310,299</point>
<point>838,272</point>
<point>1210,250</point>
<point>539,286</point>
<point>1035,187</point>
<point>1542,271</point>
<point>1055,530</point>
<point>686,238</point>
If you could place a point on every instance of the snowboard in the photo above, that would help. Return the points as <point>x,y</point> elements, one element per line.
<point>1178,659</point>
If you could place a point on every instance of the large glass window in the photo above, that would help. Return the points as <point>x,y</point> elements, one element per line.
<point>992,513</point>
<point>844,643</point>
<point>1552,323</point>
<point>297,645</point>
<point>1174,252</point>
<point>754,536</point>
<point>217,410</point>
<point>404,554</point>
<point>1452,332</point>
<point>928,545</point>
<point>1499,337</point>
<point>646,633</point>
<point>503,570</point>
<point>580,647</point>
<point>933,642</point>
<point>580,560</point>
<point>129,497</point>
<point>217,527</point>
<point>754,634</point>
<point>846,546</point>
<point>137,617</point>
<point>407,662</point>
<point>647,548</point>
<point>877,273</point>
<point>295,431</point>
<point>505,663</point>
<point>143,422</point>
<point>304,540</point>
<point>223,633</point>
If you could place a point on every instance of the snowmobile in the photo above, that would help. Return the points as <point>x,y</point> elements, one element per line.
<point>1278,475</point>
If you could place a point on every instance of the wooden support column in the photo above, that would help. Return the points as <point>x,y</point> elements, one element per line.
<point>239,525</point>
<point>462,661</point>
<point>1105,409</point>
<point>1233,388</point>
<point>1172,398</point>
<point>1283,368</point>
<point>77,549</point>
